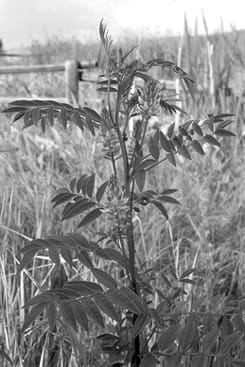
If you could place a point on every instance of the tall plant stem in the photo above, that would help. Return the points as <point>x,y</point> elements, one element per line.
<point>134,286</point>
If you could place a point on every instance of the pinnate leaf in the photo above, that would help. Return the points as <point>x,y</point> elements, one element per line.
<point>90,217</point>
<point>92,311</point>
<point>121,299</point>
<point>106,306</point>
<point>73,209</point>
<point>67,313</point>
<point>33,315</point>
<point>80,313</point>
<point>104,278</point>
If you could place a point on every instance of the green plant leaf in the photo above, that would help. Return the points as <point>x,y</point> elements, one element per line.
<point>31,317</point>
<point>45,297</point>
<point>210,123</point>
<point>78,207</point>
<point>162,209</point>
<point>187,272</point>
<point>187,335</point>
<point>165,278</point>
<point>30,252</point>
<point>63,118</point>
<point>79,312</point>
<point>170,131</point>
<point>168,192</point>
<point>121,299</point>
<point>35,115</point>
<point>108,343</point>
<point>90,217</point>
<point>154,149</point>
<point>149,360</point>
<point>231,340</point>
<point>84,288</point>
<point>165,142</point>
<point>134,297</point>
<point>101,190</point>
<point>197,147</point>
<point>92,311</point>
<point>211,140</point>
<point>140,323</point>
<point>224,115</point>
<point>67,313</point>
<point>77,120</point>
<point>197,128</point>
<point>140,178</point>
<point>198,360</point>
<point>224,124</point>
<point>50,115</point>
<point>62,197</point>
<point>168,337</point>
<point>209,339</point>
<point>104,278</point>
<point>106,306</point>
<point>18,116</point>
<point>146,163</point>
<point>171,158</point>
<point>93,114</point>
<point>238,323</point>
<point>51,315</point>
<point>222,132</point>
<point>156,316</point>
<point>54,256</point>
<point>184,152</point>
<point>168,199</point>
<point>90,185</point>
<point>65,293</point>
<point>175,359</point>
<point>85,259</point>
<point>89,123</point>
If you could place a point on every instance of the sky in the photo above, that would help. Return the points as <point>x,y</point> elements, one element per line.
<point>22,21</point>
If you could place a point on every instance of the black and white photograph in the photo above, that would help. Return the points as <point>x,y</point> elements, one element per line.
<point>122,183</point>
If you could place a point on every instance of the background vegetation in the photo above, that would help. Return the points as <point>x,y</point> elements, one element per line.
<point>207,232</point>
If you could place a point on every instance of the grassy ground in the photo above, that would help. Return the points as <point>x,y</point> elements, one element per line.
<point>207,231</point>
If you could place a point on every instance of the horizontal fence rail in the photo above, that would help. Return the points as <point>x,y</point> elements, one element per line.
<point>72,70</point>
<point>45,68</point>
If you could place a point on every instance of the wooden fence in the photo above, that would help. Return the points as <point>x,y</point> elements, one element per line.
<point>72,70</point>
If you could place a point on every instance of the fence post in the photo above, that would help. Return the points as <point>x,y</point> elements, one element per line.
<point>71,80</point>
